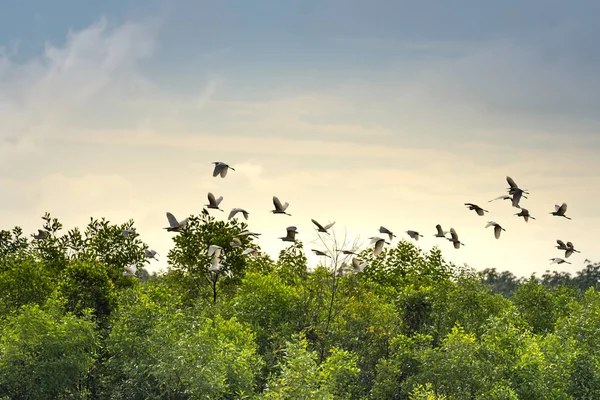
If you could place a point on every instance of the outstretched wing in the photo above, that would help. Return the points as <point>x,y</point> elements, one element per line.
<point>172,220</point>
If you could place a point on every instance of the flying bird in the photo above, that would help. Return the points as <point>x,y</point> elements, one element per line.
<point>505,197</point>
<point>291,234</point>
<point>249,251</point>
<point>321,228</point>
<point>480,211</point>
<point>414,234</point>
<point>42,234</point>
<point>558,261</point>
<point>235,242</point>
<point>357,265</point>
<point>559,211</point>
<point>238,210</point>
<point>221,169</point>
<point>497,228</point>
<point>384,230</point>
<point>321,253</point>
<point>379,242</point>
<point>440,232</point>
<point>214,250</point>
<point>568,248</point>
<point>525,214</point>
<point>175,226</point>
<point>248,233</point>
<point>214,203</point>
<point>514,187</point>
<point>130,270</point>
<point>279,208</point>
<point>454,239</point>
<point>150,254</point>
<point>347,252</point>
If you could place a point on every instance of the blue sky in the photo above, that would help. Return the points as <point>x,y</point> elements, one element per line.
<point>420,105</point>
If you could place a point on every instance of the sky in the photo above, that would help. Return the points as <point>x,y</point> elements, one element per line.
<point>374,113</point>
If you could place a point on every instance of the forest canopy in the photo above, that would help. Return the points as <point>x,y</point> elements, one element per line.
<point>405,325</point>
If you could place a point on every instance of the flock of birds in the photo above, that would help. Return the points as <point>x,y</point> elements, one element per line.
<point>515,194</point>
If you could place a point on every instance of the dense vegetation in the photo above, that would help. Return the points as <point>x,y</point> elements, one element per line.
<point>410,326</point>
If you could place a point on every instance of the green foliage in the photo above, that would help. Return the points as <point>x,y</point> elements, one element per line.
<point>45,354</point>
<point>410,326</point>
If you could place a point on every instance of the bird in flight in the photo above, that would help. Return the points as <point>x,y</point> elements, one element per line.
<point>214,203</point>
<point>454,239</point>
<point>279,208</point>
<point>525,214</point>
<point>497,228</point>
<point>480,211</point>
<point>321,228</point>
<point>234,211</point>
<point>221,169</point>
<point>559,211</point>
<point>175,226</point>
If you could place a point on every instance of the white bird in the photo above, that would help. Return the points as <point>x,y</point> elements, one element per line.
<point>480,211</point>
<point>248,233</point>
<point>525,214</point>
<point>321,253</point>
<point>440,232</point>
<point>357,265</point>
<point>347,252</point>
<point>215,264</point>
<point>454,239</point>
<point>505,197</point>
<point>249,251</point>
<point>514,186</point>
<point>279,208</point>
<point>130,270</point>
<point>213,203</point>
<point>291,234</point>
<point>214,250</point>
<point>42,234</point>
<point>558,261</point>
<point>235,242</point>
<point>238,210</point>
<point>127,232</point>
<point>568,248</point>
<point>414,234</point>
<point>384,230</point>
<point>321,228</point>
<point>221,169</point>
<point>497,228</point>
<point>175,226</point>
<point>379,242</point>
<point>560,210</point>
<point>150,254</point>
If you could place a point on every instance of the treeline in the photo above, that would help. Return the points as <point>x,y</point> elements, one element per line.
<point>409,326</point>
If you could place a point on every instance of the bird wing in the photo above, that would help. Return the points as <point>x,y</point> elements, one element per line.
<point>497,231</point>
<point>511,182</point>
<point>329,225</point>
<point>215,250</point>
<point>570,245</point>
<point>490,223</point>
<point>224,170</point>
<point>479,211</point>
<point>211,199</point>
<point>317,224</point>
<point>217,170</point>
<point>233,212</point>
<point>378,247</point>
<point>440,231</point>
<point>245,214</point>
<point>454,235</point>
<point>456,244</point>
<point>285,206</point>
<point>568,253</point>
<point>219,200</point>
<point>516,198</point>
<point>561,243</point>
<point>505,197</point>
<point>383,229</point>
<point>172,220</point>
<point>562,209</point>
<point>248,251</point>
<point>277,204</point>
